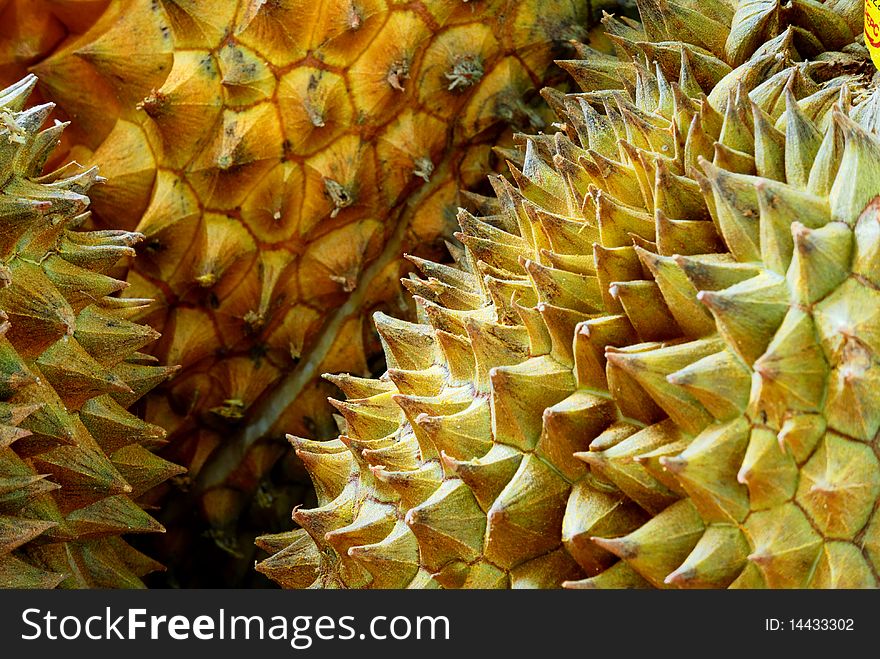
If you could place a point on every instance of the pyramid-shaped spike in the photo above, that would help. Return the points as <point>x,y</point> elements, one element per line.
<point>525,519</point>
<point>768,470</point>
<point>715,562</point>
<point>720,381</point>
<point>650,369</point>
<point>449,525</point>
<point>661,545</point>
<point>784,545</point>
<point>708,467</point>
<point>749,313</point>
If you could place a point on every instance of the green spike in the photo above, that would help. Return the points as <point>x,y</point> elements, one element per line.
<point>97,251</point>
<point>590,340</point>
<point>769,146</point>
<point>768,470</point>
<point>15,573</point>
<point>518,391</point>
<point>736,207</point>
<point>646,309</point>
<point>461,435</point>
<point>695,27</point>
<point>74,374</point>
<point>525,520</point>
<point>679,294</point>
<point>449,525</point>
<point>413,486</point>
<point>617,178</point>
<point>841,565</point>
<point>112,516</point>
<point>821,260</point>
<point>427,382</point>
<point>329,471</point>
<point>617,464</point>
<point>851,405</point>
<point>355,387</point>
<point>685,236</point>
<point>38,312</point>
<point>79,286</point>
<point>545,571</point>
<point>698,145</point>
<point>142,469</point>
<point>678,197</point>
<point>369,418</point>
<point>855,184</point>
<point>790,376</point>
<point>590,512</point>
<point>295,559</point>
<point>749,579</point>
<point>618,222</point>
<point>749,313</point>
<point>688,82</point>
<point>393,561</point>
<point>802,142</point>
<point>785,545</point>
<point>719,381</point>
<point>658,547</point>
<point>800,433</point>
<point>597,73</point>
<point>826,164</point>
<point>839,485</point>
<point>712,272</point>
<point>568,290</point>
<point>760,67</point>
<point>718,558</point>
<point>618,576</point>
<point>780,207</point>
<point>406,345</point>
<point>753,22</point>
<point>109,340</point>
<point>822,21</point>
<point>736,131</point>
<point>651,367</point>
<point>707,470</point>
<point>569,426</point>
<point>373,522</point>
<point>733,161</point>
<point>488,475</point>
<point>495,345</point>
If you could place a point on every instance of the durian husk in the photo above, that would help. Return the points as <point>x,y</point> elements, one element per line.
<point>74,462</point>
<point>654,362</point>
<point>280,158</point>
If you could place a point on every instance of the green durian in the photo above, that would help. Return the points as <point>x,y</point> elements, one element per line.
<point>655,360</point>
<point>74,462</point>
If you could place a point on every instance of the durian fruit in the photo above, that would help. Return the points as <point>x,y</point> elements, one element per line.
<point>655,360</point>
<point>279,158</point>
<point>73,460</point>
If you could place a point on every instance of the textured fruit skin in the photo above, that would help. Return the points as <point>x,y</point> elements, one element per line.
<point>73,460</point>
<point>280,157</point>
<point>32,29</point>
<point>654,363</point>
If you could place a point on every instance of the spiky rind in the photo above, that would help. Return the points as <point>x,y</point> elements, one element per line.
<point>664,373</point>
<point>73,460</point>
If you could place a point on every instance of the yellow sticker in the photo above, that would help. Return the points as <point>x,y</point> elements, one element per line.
<point>872,29</point>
